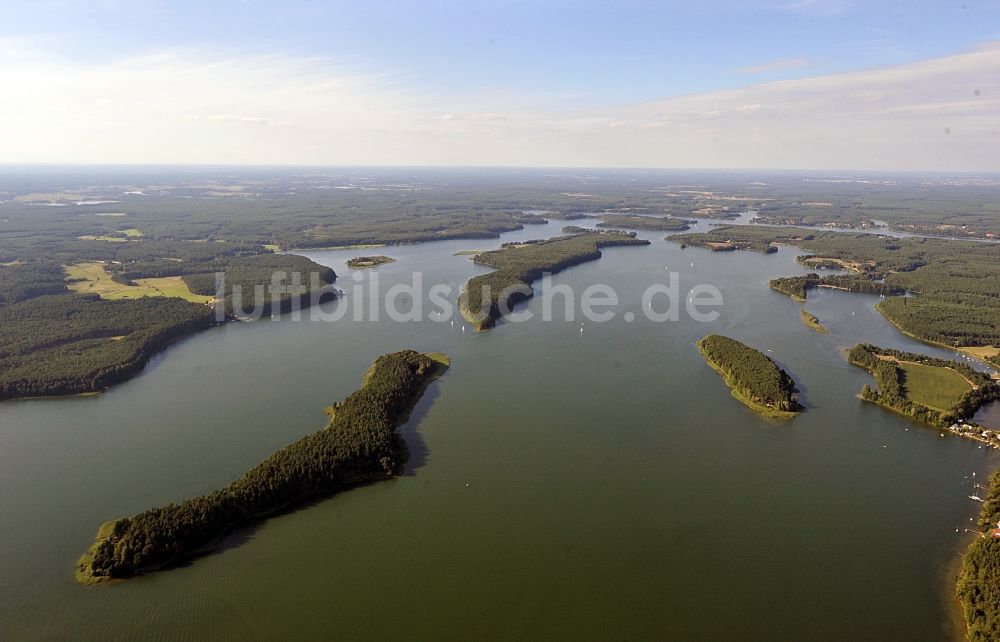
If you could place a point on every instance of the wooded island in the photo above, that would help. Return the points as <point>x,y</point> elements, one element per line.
<point>753,377</point>
<point>359,445</point>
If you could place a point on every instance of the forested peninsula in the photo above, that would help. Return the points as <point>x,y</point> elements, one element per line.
<point>798,287</point>
<point>80,328</point>
<point>360,445</point>
<point>517,265</point>
<point>937,392</point>
<point>753,377</point>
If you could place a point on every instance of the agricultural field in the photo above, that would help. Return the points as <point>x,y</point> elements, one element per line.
<point>90,278</point>
<point>933,386</point>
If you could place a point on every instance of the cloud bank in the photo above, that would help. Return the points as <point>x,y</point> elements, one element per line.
<point>199,107</point>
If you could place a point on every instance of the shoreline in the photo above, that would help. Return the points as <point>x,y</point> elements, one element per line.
<point>304,303</point>
<point>938,344</point>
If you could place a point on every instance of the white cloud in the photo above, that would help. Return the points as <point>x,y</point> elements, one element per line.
<point>192,107</point>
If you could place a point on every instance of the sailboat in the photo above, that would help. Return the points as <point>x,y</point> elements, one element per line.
<point>975,493</point>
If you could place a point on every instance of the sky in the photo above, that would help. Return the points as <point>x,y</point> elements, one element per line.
<point>777,84</point>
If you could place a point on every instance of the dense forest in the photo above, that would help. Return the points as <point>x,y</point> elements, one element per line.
<point>23,281</point>
<point>891,385</point>
<point>978,586</point>
<point>751,374</point>
<point>68,344</point>
<point>797,287</point>
<point>956,286</point>
<point>518,265</point>
<point>361,444</point>
<point>253,276</point>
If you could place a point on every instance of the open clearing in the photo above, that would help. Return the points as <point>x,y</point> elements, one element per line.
<point>90,278</point>
<point>130,234</point>
<point>983,352</point>
<point>938,388</point>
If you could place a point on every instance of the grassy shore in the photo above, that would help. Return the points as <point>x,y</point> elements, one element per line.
<point>84,566</point>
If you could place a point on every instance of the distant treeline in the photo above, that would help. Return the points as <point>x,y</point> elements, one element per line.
<point>890,382</point>
<point>359,445</point>
<point>751,373</point>
<point>396,206</point>
<point>978,587</point>
<point>518,265</point>
<point>797,287</point>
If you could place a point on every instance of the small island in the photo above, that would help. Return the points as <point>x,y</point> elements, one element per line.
<point>812,321</point>
<point>644,223</point>
<point>361,262</point>
<point>360,445</point>
<point>940,393</point>
<point>518,264</point>
<point>753,377</point>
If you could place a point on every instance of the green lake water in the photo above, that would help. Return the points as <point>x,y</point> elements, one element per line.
<point>562,485</point>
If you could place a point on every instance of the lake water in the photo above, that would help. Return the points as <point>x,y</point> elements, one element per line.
<point>602,485</point>
<point>989,415</point>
